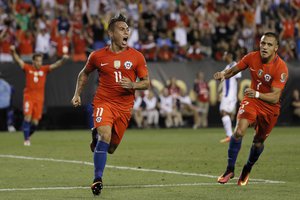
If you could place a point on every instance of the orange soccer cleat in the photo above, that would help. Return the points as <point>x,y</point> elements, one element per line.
<point>244,177</point>
<point>225,140</point>
<point>226,177</point>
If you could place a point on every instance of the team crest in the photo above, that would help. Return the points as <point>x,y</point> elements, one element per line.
<point>117,64</point>
<point>260,73</point>
<point>128,65</point>
<point>241,111</point>
<point>283,77</point>
<point>267,77</point>
<point>98,119</point>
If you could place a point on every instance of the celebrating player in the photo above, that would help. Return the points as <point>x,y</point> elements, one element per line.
<point>229,97</point>
<point>118,66</point>
<point>34,90</point>
<point>261,104</point>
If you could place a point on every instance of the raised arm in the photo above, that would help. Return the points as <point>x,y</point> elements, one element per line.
<point>16,57</point>
<point>59,62</point>
<point>81,82</point>
<point>227,73</point>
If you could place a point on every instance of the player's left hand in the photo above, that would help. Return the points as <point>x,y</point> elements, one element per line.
<point>126,83</point>
<point>249,92</point>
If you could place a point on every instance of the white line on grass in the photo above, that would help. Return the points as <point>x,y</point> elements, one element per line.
<point>119,186</point>
<point>126,168</point>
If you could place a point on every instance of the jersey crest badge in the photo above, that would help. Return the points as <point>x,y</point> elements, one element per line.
<point>128,65</point>
<point>267,77</point>
<point>117,64</point>
<point>98,119</point>
<point>283,77</point>
<point>260,73</point>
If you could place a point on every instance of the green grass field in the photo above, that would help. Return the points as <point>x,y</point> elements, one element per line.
<point>165,164</point>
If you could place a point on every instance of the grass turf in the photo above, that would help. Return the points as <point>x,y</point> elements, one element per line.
<point>161,164</point>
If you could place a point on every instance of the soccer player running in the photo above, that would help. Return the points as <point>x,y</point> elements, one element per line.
<point>118,66</point>
<point>261,104</point>
<point>229,97</point>
<point>33,97</point>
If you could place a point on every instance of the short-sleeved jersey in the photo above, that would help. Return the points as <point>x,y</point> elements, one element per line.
<point>35,81</point>
<point>112,67</point>
<point>265,76</point>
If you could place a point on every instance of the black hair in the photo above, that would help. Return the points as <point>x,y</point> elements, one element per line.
<point>37,55</point>
<point>274,35</point>
<point>116,18</point>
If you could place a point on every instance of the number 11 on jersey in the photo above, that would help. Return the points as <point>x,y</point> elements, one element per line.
<point>118,76</point>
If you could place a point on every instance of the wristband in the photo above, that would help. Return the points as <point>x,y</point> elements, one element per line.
<point>256,94</point>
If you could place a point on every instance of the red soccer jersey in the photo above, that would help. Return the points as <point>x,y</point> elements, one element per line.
<point>35,81</point>
<point>111,68</point>
<point>265,76</point>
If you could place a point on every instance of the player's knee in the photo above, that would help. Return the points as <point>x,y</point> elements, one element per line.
<point>239,133</point>
<point>258,145</point>
<point>105,137</point>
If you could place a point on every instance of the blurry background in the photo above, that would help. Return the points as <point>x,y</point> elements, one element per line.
<point>179,38</point>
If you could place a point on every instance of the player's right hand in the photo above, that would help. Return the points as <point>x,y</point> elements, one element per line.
<point>76,101</point>
<point>219,76</point>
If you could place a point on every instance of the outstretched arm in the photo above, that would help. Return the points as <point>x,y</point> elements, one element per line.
<point>59,62</point>
<point>143,84</point>
<point>227,73</point>
<point>16,57</point>
<point>81,82</point>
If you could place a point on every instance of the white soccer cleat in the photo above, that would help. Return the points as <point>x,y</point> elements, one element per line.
<point>27,143</point>
<point>11,129</point>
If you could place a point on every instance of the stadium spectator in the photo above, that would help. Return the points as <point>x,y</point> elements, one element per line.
<point>42,41</point>
<point>6,110</point>
<point>229,97</point>
<point>80,40</point>
<point>118,66</point>
<point>149,49</point>
<point>202,90</point>
<point>6,39</point>
<point>186,107</point>
<point>151,113</point>
<point>168,109</point>
<point>296,103</point>
<point>25,41</point>
<point>34,90</point>
<point>137,110</point>
<point>62,43</point>
<point>261,104</point>
<point>173,88</point>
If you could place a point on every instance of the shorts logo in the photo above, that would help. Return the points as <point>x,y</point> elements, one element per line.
<point>128,65</point>
<point>241,111</point>
<point>98,119</point>
<point>117,64</point>
<point>260,73</point>
<point>267,77</point>
<point>283,77</point>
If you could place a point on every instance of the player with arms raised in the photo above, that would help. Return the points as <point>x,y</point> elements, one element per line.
<point>118,66</point>
<point>261,104</point>
<point>34,91</point>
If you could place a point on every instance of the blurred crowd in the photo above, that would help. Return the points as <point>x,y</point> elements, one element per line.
<point>164,30</point>
<point>172,105</point>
